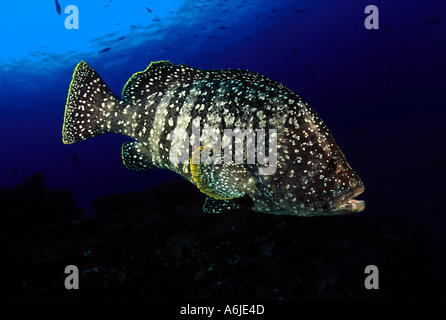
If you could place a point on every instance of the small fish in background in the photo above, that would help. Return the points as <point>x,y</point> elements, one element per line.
<point>310,70</point>
<point>311,176</point>
<point>297,10</point>
<point>59,11</point>
<point>74,158</point>
<point>104,50</point>
<point>122,38</point>
<point>148,10</point>
<point>432,22</point>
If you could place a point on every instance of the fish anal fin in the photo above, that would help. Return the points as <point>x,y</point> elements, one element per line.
<point>135,156</point>
<point>220,181</point>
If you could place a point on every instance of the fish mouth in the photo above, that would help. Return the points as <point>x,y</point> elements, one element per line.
<point>341,202</point>
<point>346,202</point>
<point>352,206</point>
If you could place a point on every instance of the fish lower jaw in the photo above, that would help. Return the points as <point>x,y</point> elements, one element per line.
<point>353,206</point>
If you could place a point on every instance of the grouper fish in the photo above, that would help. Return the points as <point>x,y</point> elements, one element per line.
<point>166,109</point>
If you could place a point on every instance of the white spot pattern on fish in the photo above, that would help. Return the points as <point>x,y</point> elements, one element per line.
<point>312,176</point>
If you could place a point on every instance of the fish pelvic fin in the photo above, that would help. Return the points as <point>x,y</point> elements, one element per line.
<point>212,205</point>
<point>89,105</point>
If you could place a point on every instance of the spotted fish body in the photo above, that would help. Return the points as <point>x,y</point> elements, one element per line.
<point>311,177</point>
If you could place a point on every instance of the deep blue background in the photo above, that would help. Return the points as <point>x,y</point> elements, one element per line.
<point>382,93</point>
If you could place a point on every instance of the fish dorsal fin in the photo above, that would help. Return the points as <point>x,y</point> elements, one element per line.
<point>157,78</point>
<point>162,75</point>
<point>135,156</point>
<point>220,181</point>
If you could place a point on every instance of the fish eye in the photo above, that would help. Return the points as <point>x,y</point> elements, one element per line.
<point>334,165</point>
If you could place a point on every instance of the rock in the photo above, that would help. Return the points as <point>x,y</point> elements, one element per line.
<point>32,205</point>
<point>159,244</point>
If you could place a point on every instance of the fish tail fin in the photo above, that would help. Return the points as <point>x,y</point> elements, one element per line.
<point>89,104</point>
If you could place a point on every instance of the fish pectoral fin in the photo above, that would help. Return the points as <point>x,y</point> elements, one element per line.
<point>212,205</point>
<point>222,181</point>
<point>135,156</point>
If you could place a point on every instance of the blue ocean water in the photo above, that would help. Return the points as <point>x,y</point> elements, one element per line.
<point>381,92</point>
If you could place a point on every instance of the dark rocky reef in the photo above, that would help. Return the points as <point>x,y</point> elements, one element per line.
<point>159,244</point>
<point>32,205</point>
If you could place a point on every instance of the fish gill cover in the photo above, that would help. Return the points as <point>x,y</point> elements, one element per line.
<point>379,91</point>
